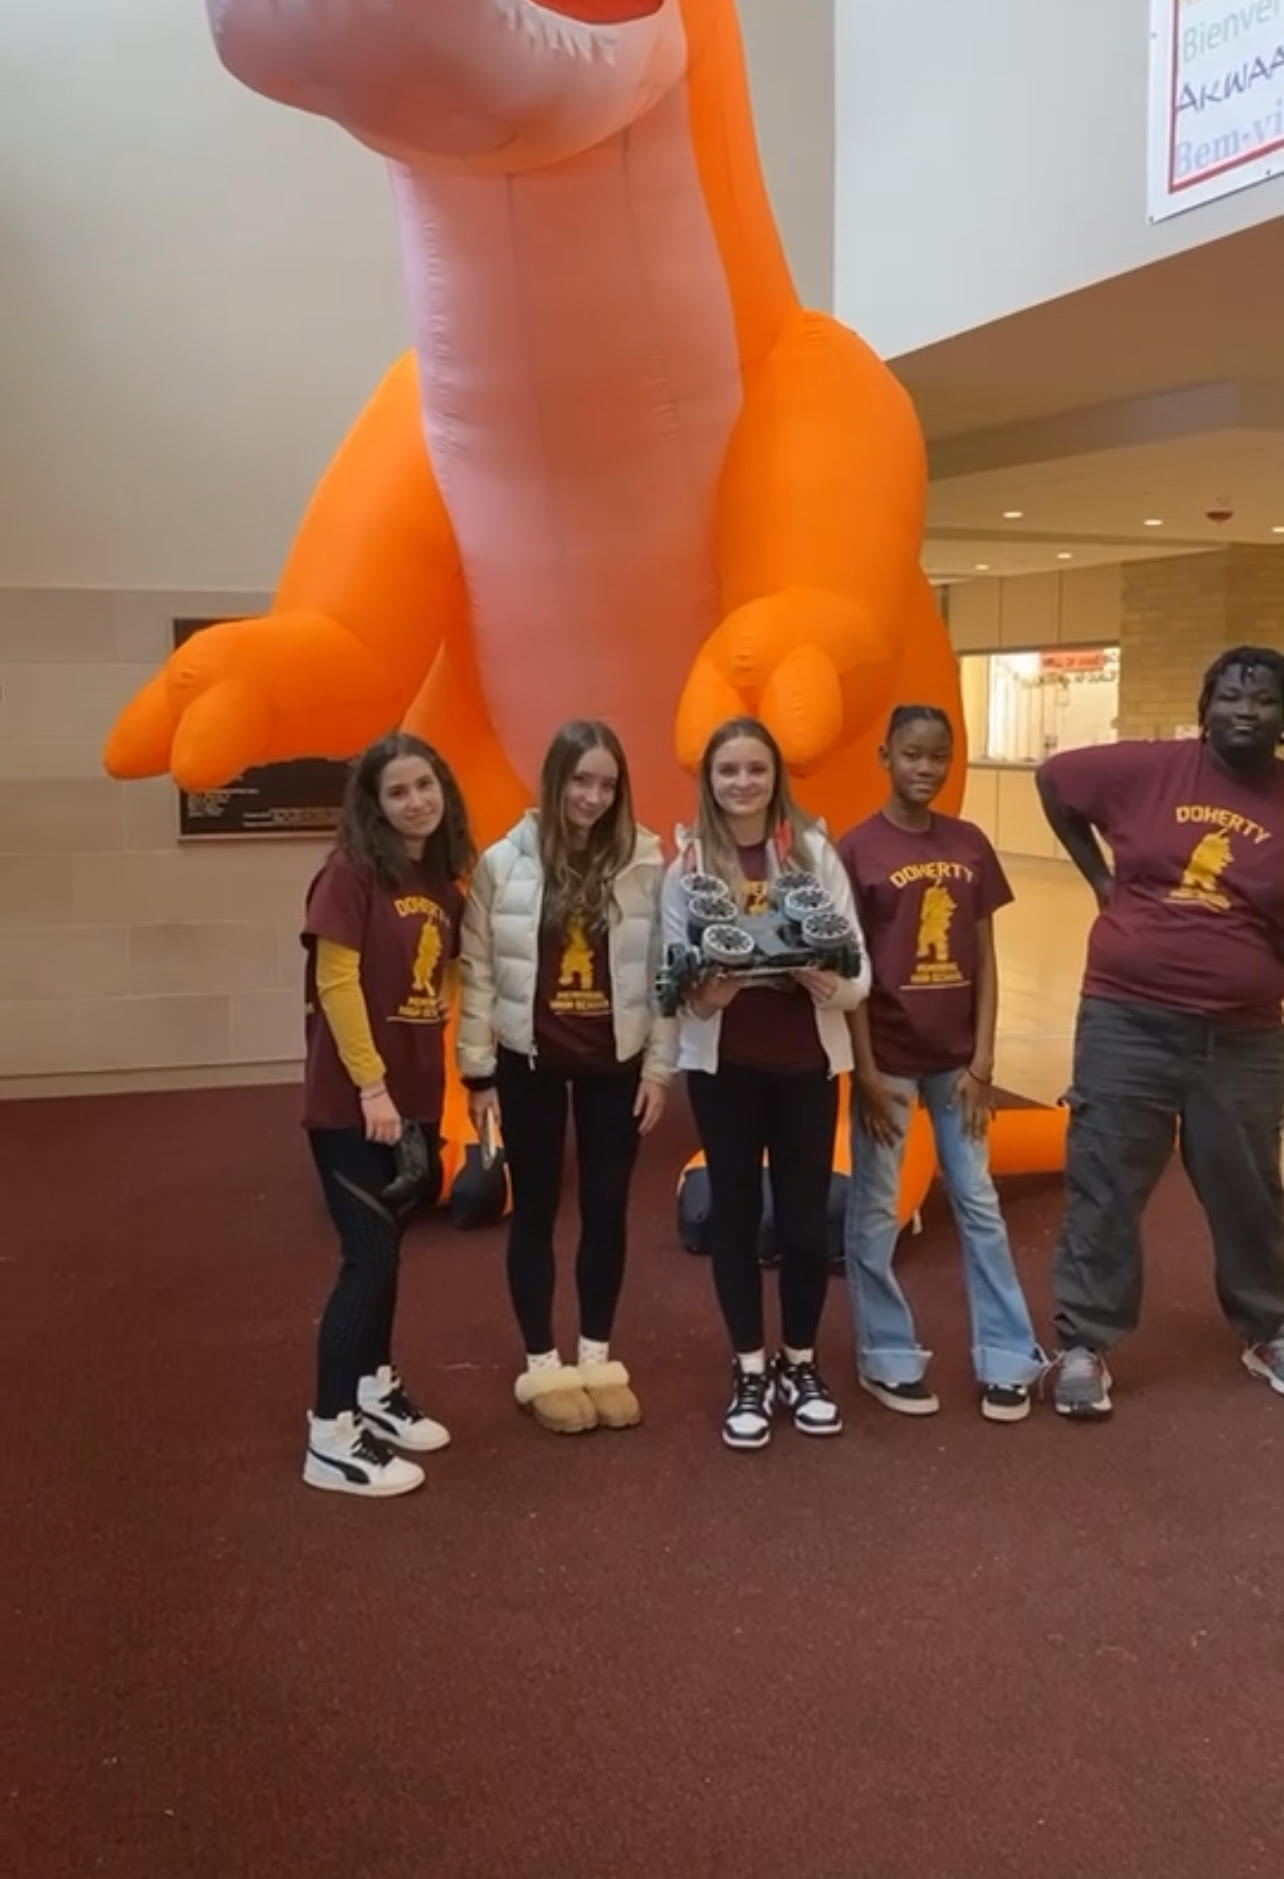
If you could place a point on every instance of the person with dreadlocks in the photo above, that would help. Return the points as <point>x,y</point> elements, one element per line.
<point>1179,1024</point>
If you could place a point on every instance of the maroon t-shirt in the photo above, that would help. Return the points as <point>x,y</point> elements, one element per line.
<point>922,894</point>
<point>770,1025</point>
<point>1195,920</point>
<point>406,937</point>
<point>573,1024</point>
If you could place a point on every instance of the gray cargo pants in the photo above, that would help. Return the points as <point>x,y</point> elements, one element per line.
<point>1141,1074</point>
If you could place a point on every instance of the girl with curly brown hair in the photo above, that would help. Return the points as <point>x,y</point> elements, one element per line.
<point>381,930</point>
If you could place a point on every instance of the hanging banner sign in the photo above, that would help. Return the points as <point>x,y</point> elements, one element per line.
<point>1216,100</point>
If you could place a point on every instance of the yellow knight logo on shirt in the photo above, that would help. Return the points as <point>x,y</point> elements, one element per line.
<point>423,1005</point>
<point>577,994</point>
<point>427,959</point>
<point>1201,877</point>
<point>934,920</point>
<point>577,960</point>
<point>933,964</point>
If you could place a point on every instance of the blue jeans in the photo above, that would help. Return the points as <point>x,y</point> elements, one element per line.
<point>1005,1351</point>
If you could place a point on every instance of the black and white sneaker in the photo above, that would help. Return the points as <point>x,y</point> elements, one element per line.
<point>801,1390</point>
<point>345,1458</point>
<point>388,1411</point>
<point>747,1423</point>
<point>907,1399</point>
<point>1003,1402</point>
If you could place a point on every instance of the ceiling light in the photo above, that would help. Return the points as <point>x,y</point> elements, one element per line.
<point>1278,529</point>
<point>982,567</point>
<point>1065,555</point>
<point>1013,515</point>
<point>1152,521</point>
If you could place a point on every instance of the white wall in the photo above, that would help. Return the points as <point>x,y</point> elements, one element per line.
<point>991,154</point>
<point>206,289</point>
<point>790,48</point>
<point>200,288</point>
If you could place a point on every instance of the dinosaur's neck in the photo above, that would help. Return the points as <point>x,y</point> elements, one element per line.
<point>580,372</point>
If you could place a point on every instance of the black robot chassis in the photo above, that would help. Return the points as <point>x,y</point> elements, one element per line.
<point>800,929</point>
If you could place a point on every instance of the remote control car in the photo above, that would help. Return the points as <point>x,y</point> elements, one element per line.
<point>801,928</point>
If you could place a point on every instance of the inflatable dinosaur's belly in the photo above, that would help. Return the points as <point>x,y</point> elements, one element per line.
<point>579,391</point>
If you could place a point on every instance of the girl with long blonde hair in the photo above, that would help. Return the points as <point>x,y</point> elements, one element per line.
<point>763,1060</point>
<point>560,944</point>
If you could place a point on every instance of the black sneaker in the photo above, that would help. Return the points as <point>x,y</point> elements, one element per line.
<point>801,1389</point>
<point>1005,1402</point>
<point>747,1423</point>
<point>907,1399</point>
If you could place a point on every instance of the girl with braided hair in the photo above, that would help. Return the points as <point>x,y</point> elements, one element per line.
<point>928,887</point>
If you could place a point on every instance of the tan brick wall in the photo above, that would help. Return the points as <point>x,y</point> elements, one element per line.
<point>1178,614</point>
<point>1255,596</point>
<point>127,958</point>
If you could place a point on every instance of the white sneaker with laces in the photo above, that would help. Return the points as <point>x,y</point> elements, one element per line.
<point>747,1423</point>
<point>1083,1385</point>
<point>345,1458</point>
<point>1266,1361</point>
<point>802,1391</point>
<point>393,1417</point>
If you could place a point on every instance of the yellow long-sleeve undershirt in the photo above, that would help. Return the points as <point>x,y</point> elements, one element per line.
<point>344,1005</point>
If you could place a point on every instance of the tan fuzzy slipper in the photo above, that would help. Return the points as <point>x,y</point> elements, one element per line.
<point>557,1399</point>
<point>611,1395</point>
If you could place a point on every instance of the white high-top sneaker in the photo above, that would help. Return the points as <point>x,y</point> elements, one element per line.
<point>385,1408</point>
<point>345,1458</point>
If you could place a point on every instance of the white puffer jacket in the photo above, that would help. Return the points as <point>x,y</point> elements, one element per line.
<point>698,1037</point>
<point>499,956</point>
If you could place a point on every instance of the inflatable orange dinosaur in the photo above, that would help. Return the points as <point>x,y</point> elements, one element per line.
<point>624,474</point>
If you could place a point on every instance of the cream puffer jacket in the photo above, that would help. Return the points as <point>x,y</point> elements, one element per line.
<point>499,956</point>
<point>698,1037</point>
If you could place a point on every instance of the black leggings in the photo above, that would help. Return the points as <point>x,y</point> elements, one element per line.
<point>533,1109</point>
<point>742,1115</point>
<point>356,1327</point>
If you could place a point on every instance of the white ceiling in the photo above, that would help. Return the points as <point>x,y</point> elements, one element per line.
<point>1096,507</point>
<point>1213,312</point>
<point>1158,395</point>
<point>970,557</point>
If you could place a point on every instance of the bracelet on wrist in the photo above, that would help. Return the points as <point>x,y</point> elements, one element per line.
<point>376,1089</point>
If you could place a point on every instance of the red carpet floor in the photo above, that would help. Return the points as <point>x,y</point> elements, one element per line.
<point>938,1650</point>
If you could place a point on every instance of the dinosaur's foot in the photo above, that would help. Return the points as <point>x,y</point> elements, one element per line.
<point>811,664</point>
<point>247,692</point>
